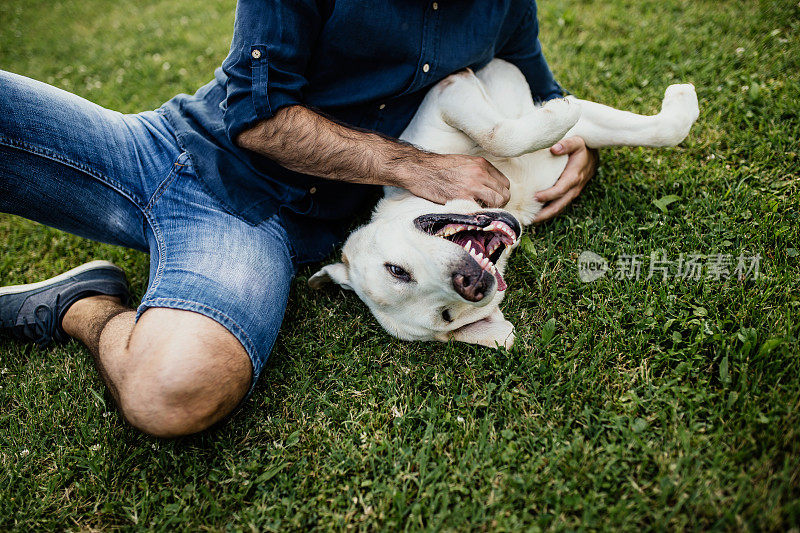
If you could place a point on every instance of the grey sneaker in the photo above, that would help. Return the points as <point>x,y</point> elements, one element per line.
<point>33,312</point>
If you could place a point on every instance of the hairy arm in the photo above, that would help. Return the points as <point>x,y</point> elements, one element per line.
<point>304,141</point>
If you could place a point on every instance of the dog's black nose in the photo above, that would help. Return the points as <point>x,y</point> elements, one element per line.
<point>472,284</point>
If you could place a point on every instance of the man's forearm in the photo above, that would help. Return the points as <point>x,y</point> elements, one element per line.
<point>305,141</point>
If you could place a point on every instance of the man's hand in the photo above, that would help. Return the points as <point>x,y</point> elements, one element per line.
<point>581,166</point>
<point>305,141</point>
<point>440,178</point>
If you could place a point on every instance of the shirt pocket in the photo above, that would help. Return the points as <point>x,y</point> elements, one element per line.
<point>259,67</point>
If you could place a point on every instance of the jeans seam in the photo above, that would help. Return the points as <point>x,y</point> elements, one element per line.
<point>81,167</point>
<point>161,250</point>
<point>102,178</point>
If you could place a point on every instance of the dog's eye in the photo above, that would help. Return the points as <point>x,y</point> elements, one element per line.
<point>446,315</point>
<point>398,272</point>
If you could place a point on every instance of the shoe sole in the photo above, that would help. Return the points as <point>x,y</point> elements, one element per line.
<point>14,289</point>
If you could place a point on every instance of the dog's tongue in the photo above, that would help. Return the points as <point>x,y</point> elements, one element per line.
<point>501,283</point>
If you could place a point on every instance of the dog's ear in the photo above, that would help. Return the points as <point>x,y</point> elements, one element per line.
<point>492,331</point>
<point>336,273</point>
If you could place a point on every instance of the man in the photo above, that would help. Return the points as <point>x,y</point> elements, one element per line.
<point>233,187</point>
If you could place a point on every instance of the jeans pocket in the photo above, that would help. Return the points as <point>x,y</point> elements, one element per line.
<point>179,166</point>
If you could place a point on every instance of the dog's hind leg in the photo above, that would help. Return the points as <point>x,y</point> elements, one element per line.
<point>601,126</point>
<point>466,106</point>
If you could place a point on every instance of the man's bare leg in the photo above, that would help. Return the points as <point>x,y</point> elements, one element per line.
<point>172,373</point>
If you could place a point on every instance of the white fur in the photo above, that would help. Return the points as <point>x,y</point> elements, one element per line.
<point>490,114</point>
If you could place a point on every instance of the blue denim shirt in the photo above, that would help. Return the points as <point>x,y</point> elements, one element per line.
<point>368,64</point>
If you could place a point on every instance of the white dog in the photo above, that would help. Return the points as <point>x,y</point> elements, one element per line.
<point>435,272</point>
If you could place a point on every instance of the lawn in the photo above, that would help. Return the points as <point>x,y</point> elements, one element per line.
<point>625,404</point>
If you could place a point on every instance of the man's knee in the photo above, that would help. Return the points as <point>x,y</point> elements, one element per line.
<point>182,387</point>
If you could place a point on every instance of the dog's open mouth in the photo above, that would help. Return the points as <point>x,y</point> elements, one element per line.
<point>484,236</point>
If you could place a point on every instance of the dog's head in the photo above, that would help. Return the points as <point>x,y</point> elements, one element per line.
<point>431,272</point>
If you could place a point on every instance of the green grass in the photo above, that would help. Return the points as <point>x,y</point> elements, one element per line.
<point>625,404</point>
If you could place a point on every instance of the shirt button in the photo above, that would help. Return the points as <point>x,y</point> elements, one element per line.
<point>426,67</point>
<point>312,190</point>
<point>382,106</point>
<point>256,54</point>
<point>435,6</point>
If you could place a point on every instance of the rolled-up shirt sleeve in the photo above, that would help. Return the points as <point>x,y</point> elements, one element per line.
<point>265,68</point>
<point>524,50</point>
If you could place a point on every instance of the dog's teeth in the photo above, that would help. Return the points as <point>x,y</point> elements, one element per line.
<point>505,229</point>
<point>467,246</point>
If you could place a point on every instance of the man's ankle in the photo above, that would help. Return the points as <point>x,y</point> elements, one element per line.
<point>85,311</point>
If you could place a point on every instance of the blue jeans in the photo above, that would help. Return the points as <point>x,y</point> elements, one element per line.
<point>125,180</point>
